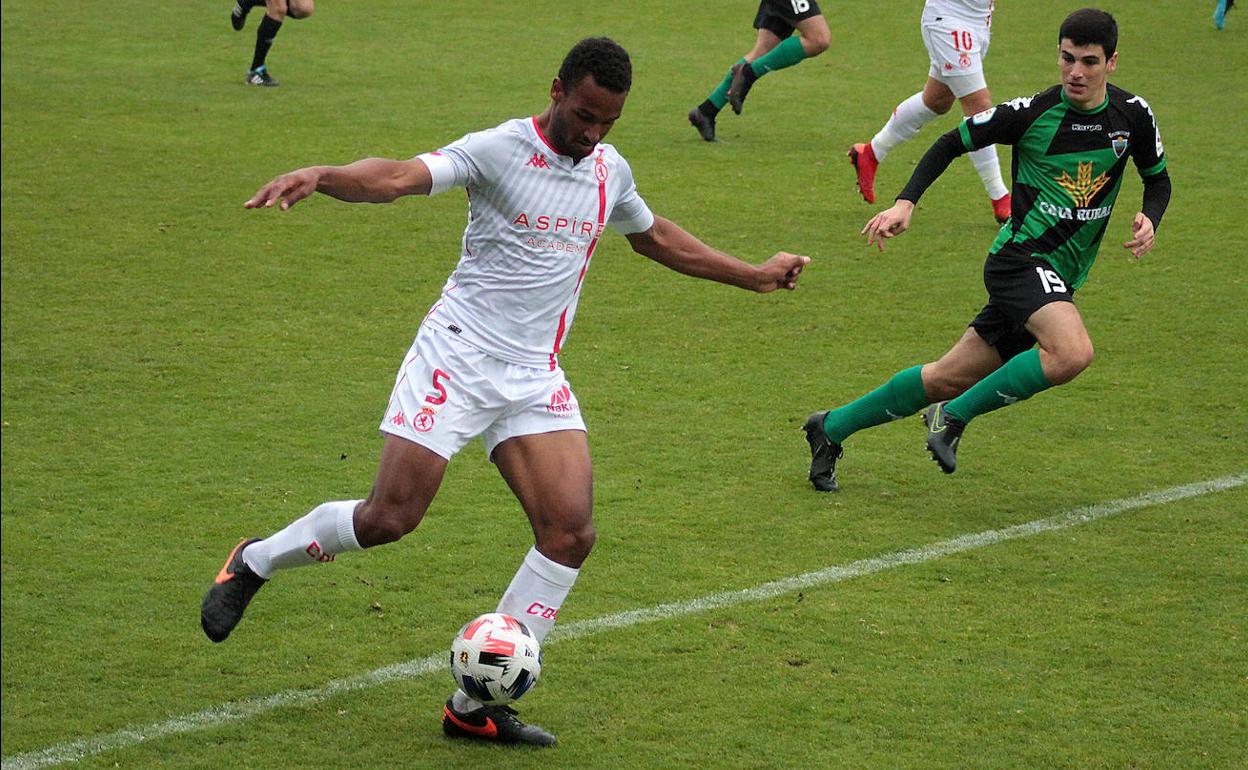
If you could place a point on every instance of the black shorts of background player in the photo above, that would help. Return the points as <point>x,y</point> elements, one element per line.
<point>275,12</point>
<point>775,48</point>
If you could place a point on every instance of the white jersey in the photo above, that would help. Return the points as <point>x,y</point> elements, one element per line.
<point>976,10</point>
<point>534,221</point>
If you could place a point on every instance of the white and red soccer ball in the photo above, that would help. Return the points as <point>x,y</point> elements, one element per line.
<point>495,659</point>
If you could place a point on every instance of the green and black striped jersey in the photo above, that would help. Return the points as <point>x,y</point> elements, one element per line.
<point>1068,167</point>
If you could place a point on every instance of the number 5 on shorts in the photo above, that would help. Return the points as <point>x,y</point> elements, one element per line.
<point>441,397</point>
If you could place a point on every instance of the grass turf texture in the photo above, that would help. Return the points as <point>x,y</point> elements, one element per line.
<point>178,372</point>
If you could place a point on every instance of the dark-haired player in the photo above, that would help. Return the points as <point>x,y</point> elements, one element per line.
<point>774,48</point>
<point>1071,146</point>
<point>542,191</point>
<point>275,11</point>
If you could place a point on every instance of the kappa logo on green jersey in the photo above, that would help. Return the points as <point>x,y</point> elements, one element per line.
<point>1083,188</point>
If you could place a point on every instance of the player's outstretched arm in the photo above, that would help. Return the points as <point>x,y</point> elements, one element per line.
<point>372,180</point>
<point>672,246</point>
<point>889,223</point>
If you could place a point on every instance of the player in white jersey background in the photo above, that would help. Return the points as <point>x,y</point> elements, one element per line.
<point>541,192</point>
<point>956,33</point>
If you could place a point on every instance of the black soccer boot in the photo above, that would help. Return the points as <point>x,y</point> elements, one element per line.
<point>492,723</point>
<point>703,122</point>
<point>238,16</point>
<point>823,454</point>
<point>743,78</point>
<point>943,434</point>
<point>260,77</point>
<point>224,603</point>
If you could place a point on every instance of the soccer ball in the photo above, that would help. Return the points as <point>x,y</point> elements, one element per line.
<point>495,659</point>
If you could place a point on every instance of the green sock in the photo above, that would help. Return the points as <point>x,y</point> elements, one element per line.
<point>1019,378</point>
<point>719,97</point>
<point>900,397</point>
<point>788,53</point>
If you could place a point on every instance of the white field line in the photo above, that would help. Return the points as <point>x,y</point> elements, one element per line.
<point>73,751</point>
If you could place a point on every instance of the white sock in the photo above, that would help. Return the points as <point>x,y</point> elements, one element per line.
<point>317,537</point>
<point>910,116</point>
<point>537,591</point>
<point>989,169</point>
<point>534,597</point>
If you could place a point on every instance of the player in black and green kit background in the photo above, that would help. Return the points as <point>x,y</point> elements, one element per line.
<point>1071,147</point>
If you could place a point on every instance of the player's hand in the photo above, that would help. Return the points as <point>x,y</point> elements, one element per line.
<point>781,271</point>
<point>889,223</point>
<point>1144,240</point>
<point>288,189</point>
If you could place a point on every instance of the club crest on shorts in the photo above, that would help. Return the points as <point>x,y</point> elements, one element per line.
<point>423,422</point>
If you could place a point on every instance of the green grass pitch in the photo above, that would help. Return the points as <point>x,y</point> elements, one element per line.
<point>179,372</point>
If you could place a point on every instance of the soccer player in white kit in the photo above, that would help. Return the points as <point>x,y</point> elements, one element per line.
<point>956,33</point>
<point>541,192</point>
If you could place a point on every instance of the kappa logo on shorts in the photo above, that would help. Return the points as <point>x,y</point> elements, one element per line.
<point>399,418</point>
<point>561,402</point>
<point>423,422</point>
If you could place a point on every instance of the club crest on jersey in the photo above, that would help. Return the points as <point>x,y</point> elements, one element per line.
<point>600,169</point>
<point>1119,140</point>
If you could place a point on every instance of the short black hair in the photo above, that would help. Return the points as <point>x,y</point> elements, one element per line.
<point>1091,26</point>
<point>601,57</point>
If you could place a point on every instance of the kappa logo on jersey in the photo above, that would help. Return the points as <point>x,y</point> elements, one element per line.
<point>1021,103</point>
<point>1156,131</point>
<point>1083,188</point>
<point>1119,141</point>
<point>561,401</point>
<point>538,161</point>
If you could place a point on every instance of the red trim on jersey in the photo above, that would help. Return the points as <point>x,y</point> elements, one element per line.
<point>602,215</point>
<point>542,136</point>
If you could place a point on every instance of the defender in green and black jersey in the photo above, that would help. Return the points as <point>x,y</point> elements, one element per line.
<point>1071,148</point>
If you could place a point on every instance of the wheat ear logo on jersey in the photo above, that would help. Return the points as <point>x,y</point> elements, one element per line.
<point>1083,188</point>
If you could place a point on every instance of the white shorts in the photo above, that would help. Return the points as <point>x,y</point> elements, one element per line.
<point>957,48</point>
<point>447,393</point>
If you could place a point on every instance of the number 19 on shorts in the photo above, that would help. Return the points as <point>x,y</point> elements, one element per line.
<point>1051,281</point>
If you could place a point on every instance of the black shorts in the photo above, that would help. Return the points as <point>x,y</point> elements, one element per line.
<point>1017,287</point>
<point>780,17</point>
